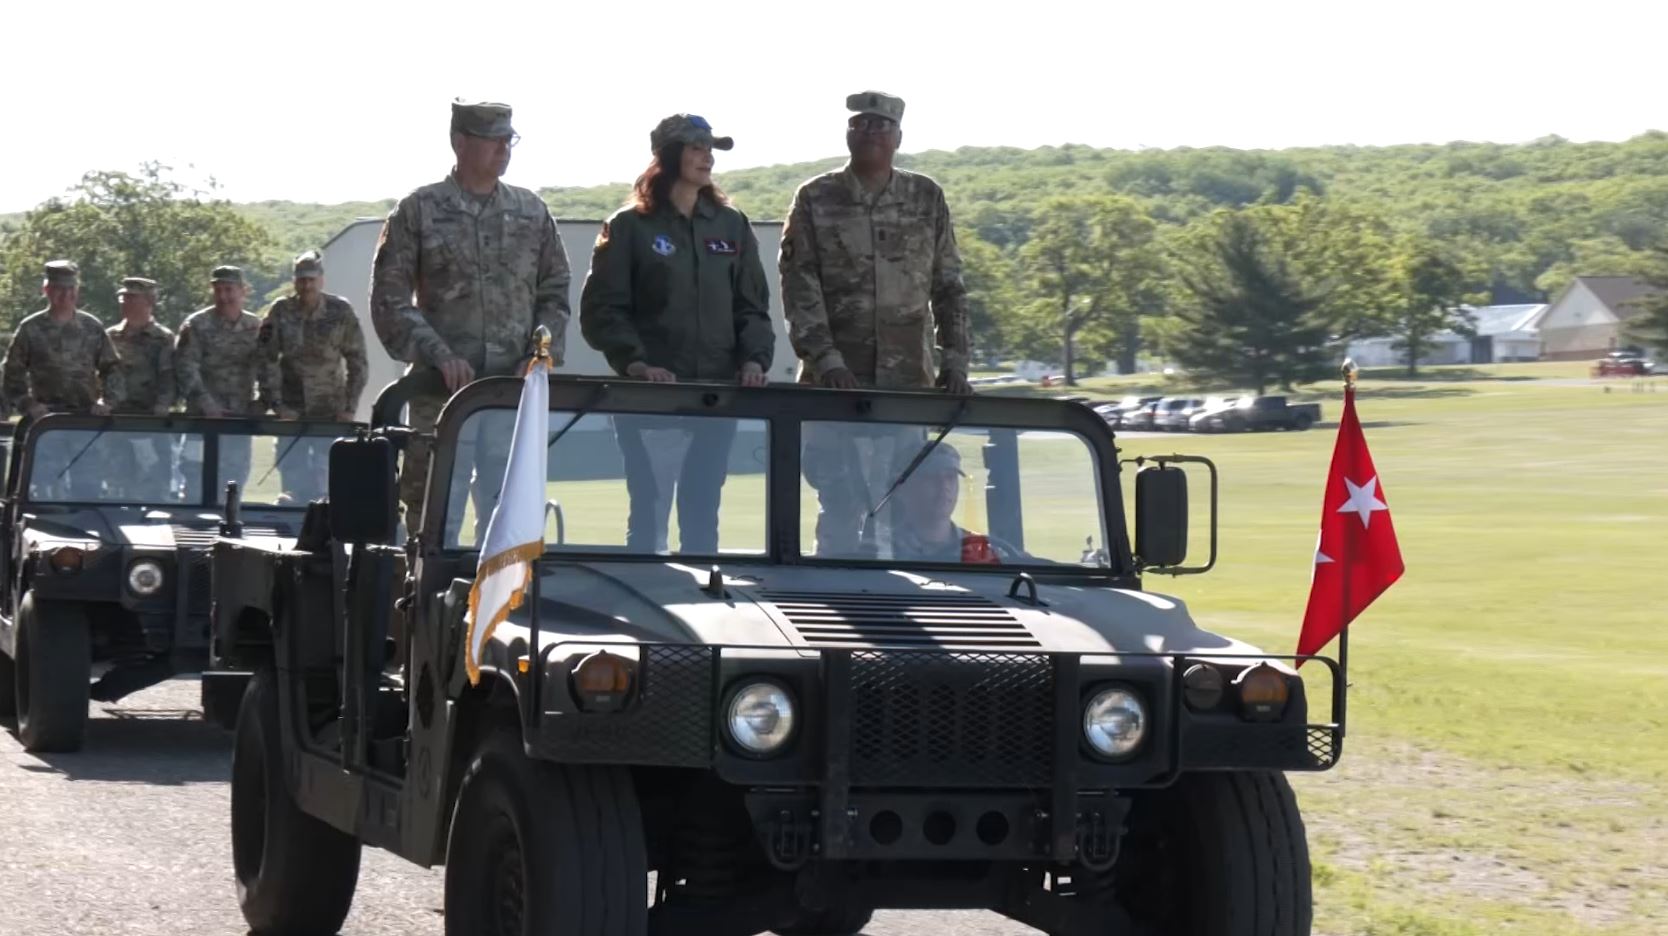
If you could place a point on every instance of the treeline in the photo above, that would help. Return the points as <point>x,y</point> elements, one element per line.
<point>1071,253</point>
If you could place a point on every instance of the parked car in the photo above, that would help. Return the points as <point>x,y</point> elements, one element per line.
<point>1140,418</point>
<point>1172,413</point>
<point>1196,416</point>
<point>1626,363</point>
<point>1114,413</point>
<point>1259,412</point>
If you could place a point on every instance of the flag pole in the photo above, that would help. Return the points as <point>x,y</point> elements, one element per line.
<point>1349,370</point>
<point>535,672</point>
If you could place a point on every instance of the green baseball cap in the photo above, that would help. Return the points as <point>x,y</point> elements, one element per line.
<point>227,274</point>
<point>878,103</point>
<point>481,118</point>
<point>62,273</point>
<point>137,286</point>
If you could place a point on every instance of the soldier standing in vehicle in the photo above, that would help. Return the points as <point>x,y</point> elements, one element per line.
<point>871,286</point>
<point>146,347</point>
<point>313,352</point>
<point>219,364</point>
<point>677,291</point>
<point>464,271</point>
<point>60,359</point>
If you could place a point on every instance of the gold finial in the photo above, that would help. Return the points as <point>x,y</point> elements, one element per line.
<point>1349,370</point>
<point>541,336</point>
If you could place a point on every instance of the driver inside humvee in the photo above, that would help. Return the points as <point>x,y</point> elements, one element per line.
<point>922,526</point>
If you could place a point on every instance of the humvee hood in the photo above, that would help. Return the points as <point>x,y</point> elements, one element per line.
<point>818,608</point>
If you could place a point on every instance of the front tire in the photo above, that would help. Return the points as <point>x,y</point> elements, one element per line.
<point>1218,854</point>
<point>540,849</point>
<point>52,675</point>
<point>8,686</point>
<point>296,874</point>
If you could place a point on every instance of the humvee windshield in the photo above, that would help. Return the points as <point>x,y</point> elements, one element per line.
<point>125,466</point>
<point>688,485</point>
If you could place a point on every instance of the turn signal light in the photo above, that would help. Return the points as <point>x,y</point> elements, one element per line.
<point>1263,693</point>
<point>66,559</point>
<point>602,682</point>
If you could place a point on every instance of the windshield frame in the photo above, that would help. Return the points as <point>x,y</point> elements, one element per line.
<point>783,408</point>
<point>22,454</point>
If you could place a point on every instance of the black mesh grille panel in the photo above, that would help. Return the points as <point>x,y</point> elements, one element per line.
<point>951,719</point>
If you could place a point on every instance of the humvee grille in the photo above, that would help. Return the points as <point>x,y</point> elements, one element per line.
<point>951,719</point>
<point>843,619</point>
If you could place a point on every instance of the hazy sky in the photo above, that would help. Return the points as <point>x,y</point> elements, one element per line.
<point>336,101</point>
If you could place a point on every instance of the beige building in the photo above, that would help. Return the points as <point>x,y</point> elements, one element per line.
<point>1589,318</point>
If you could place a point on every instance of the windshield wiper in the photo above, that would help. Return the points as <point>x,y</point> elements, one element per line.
<point>280,459</point>
<point>581,412</point>
<point>920,457</point>
<point>96,436</point>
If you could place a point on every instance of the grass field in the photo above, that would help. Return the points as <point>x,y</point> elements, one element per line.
<point>1507,764</point>
<point>1506,769</point>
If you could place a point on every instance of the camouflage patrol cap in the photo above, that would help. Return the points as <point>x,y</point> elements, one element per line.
<point>878,103</point>
<point>227,274</point>
<point>137,286</point>
<point>481,118</point>
<point>309,264</point>
<point>687,128</point>
<point>942,458</point>
<point>62,273</point>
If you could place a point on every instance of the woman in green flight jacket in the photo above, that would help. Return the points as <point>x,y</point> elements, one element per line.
<point>677,292</point>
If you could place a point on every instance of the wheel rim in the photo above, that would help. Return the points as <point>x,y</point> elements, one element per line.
<point>507,886</point>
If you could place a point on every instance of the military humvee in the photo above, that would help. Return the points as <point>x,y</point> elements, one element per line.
<point>105,528</point>
<point>945,687</point>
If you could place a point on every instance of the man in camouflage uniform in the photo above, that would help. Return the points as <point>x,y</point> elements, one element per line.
<point>464,271</point>
<point>313,353</point>
<point>871,287</point>
<point>61,360</point>
<point>146,347</point>
<point>218,364</point>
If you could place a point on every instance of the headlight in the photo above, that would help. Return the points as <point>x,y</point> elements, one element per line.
<point>1114,722</point>
<point>145,577</point>
<point>761,717</point>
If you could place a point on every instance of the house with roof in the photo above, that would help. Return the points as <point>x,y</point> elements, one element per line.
<point>1589,317</point>
<point>1502,333</point>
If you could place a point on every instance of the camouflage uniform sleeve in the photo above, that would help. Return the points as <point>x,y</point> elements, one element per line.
<point>802,301</point>
<point>399,324</point>
<point>755,339</point>
<point>268,368</point>
<point>949,294</point>
<point>188,365</point>
<point>108,363</point>
<point>167,390</point>
<point>16,371</point>
<point>550,297</point>
<point>353,354</point>
<point>605,319</point>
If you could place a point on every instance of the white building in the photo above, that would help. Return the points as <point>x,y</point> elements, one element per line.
<point>1503,333</point>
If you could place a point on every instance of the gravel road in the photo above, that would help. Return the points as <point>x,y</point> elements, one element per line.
<point>129,837</point>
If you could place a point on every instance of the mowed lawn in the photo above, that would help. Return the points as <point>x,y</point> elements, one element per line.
<point>1506,769</point>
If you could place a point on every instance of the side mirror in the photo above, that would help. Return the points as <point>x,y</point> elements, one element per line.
<point>1161,515</point>
<point>363,502</point>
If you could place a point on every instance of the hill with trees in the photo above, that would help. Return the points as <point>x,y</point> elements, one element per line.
<point>1103,255</point>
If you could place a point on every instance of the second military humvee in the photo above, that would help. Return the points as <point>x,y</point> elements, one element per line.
<point>785,732</point>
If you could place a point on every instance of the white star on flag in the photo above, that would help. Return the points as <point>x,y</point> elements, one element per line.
<point>1362,500</point>
<point>1321,557</point>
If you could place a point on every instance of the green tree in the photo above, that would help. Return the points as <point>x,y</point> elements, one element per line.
<point>113,224</point>
<point>1432,290</point>
<point>1651,324</point>
<point>1248,320</point>
<point>1093,269</point>
<point>991,304</point>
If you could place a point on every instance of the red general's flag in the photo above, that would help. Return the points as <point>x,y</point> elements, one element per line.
<point>1356,556</point>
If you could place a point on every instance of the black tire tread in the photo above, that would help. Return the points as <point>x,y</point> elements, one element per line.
<point>8,686</point>
<point>56,634</point>
<point>309,869</point>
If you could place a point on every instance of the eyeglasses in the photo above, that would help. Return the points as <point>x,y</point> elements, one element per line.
<point>871,123</point>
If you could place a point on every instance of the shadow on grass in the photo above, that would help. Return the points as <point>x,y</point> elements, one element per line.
<point>1441,375</point>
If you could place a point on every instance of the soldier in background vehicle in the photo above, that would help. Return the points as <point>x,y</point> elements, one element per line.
<point>871,287</point>
<point>677,292</point>
<point>313,352</point>
<point>218,364</point>
<point>464,271</point>
<point>61,360</point>
<point>146,347</point>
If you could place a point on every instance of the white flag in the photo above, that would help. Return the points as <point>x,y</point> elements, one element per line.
<point>515,534</point>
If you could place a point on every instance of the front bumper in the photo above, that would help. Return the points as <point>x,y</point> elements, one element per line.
<point>977,741</point>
